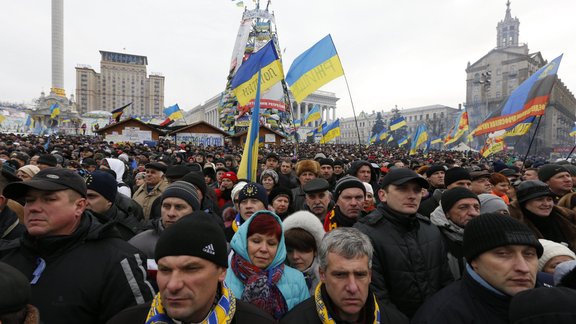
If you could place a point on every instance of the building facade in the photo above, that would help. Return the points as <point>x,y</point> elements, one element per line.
<point>122,79</point>
<point>492,78</point>
<point>438,120</point>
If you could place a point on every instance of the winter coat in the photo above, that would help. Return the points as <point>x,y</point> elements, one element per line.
<point>429,205</point>
<point>298,198</point>
<point>409,263</point>
<point>245,313</point>
<point>464,301</point>
<point>89,276</point>
<point>119,168</point>
<point>292,284</point>
<point>146,199</point>
<point>565,218</point>
<point>10,227</point>
<point>453,237</point>
<point>146,241</point>
<point>306,312</point>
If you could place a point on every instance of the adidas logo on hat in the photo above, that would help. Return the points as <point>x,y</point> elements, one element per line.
<point>209,249</point>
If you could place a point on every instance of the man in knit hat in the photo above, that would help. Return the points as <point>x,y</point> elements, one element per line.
<point>502,260</point>
<point>458,206</point>
<point>102,199</point>
<point>557,178</point>
<point>178,200</point>
<point>435,175</point>
<point>406,272</point>
<point>349,195</point>
<point>192,296</point>
<point>65,249</point>
<point>252,198</point>
<point>454,177</point>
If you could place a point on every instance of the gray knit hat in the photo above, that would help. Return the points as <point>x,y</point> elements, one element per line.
<point>184,190</point>
<point>490,203</point>
<point>348,182</point>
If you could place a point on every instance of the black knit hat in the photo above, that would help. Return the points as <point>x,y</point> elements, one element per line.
<point>103,183</point>
<point>183,190</point>
<point>280,191</point>
<point>347,182</point>
<point>492,230</point>
<point>456,174</point>
<point>197,179</point>
<point>452,196</point>
<point>255,191</point>
<point>177,171</point>
<point>399,176</point>
<point>435,168</point>
<point>15,289</point>
<point>196,235</point>
<point>329,162</point>
<point>547,171</point>
<point>531,189</point>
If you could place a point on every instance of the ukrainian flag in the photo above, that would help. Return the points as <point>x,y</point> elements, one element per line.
<point>314,68</point>
<point>297,123</point>
<point>436,140</point>
<point>173,112</point>
<point>420,137</point>
<point>245,82</point>
<point>383,134</point>
<point>573,131</point>
<point>390,139</point>
<point>403,141</point>
<point>313,115</point>
<point>372,139</point>
<point>54,110</point>
<point>398,123</point>
<point>260,67</point>
<point>331,131</point>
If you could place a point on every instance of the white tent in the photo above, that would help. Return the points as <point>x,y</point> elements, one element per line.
<point>461,147</point>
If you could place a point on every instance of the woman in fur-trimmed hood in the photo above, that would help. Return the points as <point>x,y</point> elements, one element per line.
<point>303,233</point>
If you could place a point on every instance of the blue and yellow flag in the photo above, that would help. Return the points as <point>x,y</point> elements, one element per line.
<point>372,139</point>
<point>331,131</point>
<point>573,131</point>
<point>245,81</point>
<point>398,123</point>
<point>420,137</point>
<point>173,112</point>
<point>297,123</point>
<point>313,115</point>
<point>403,141</point>
<point>390,139</point>
<point>54,110</point>
<point>261,67</point>
<point>521,128</point>
<point>436,140</point>
<point>314,68</point>
<point>383,134</point>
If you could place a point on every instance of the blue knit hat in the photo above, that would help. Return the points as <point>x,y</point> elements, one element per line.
<point>255,191</point>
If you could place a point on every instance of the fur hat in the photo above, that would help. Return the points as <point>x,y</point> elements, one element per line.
<point>307,165</point>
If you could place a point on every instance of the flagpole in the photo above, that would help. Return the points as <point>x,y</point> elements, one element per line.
<point>532,140</point>
<point>572,151</point>
<point>353,112</point>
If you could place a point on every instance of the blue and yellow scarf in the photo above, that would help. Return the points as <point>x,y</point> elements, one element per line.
<point>325,316</point>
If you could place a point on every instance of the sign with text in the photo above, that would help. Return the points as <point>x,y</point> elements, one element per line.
<point>206,139</point>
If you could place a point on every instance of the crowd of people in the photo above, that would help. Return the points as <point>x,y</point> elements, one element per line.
<point>99,232</point>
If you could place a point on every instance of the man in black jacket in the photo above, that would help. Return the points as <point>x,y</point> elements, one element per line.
<point>101,198</point>
<point>80,270</point>
<point>409,262</point>
<point>502,260</point>
<point>192,261</point>
<point>344,295</point>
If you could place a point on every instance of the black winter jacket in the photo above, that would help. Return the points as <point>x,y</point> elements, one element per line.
<point>89,276</point>
<point>409,263</point>
<point>245,313</point>
<point>464,301</point>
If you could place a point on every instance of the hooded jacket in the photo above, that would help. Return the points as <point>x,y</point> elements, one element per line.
<point>292,284</point>
<point>453,238</point>
<point>89,275</point>
<point>119,168</point>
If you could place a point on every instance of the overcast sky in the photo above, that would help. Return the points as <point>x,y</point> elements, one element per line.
<point>405,53</point>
